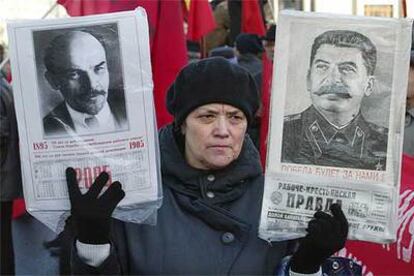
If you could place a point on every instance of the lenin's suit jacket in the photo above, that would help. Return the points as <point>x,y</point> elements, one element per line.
<point>59,120</point>
<point>308,138</point>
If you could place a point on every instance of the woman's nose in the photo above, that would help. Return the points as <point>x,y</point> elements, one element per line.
<point>222,127</point>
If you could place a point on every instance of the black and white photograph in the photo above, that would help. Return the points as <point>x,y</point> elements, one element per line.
<point>337,107</point>
<point>77,84</point>
<point>336,123</point>
<point>79,74</point>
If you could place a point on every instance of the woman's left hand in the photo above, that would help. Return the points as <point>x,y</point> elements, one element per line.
<point>326,235</point>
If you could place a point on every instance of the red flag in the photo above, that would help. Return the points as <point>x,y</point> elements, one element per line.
<point>166,63</point>
<point>166,31</point>
<point>19,208</point>
<point>200,19</point>
<point>88,7</point>
<point>266,91</point>
<point>252,20</point>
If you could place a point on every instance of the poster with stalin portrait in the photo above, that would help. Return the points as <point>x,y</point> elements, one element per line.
<point>336,122</point>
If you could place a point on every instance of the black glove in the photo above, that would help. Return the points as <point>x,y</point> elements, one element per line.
<point>326,235</point>
<point>92,213</point>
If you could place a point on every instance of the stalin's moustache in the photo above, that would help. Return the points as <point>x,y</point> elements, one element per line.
<point>340,90</point>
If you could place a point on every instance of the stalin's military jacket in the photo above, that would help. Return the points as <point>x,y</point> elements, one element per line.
<point>308,138</point>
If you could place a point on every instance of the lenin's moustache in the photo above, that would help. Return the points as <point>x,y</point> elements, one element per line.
<point>93,93</point>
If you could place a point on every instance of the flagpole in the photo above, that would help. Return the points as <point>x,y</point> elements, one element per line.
<point>50,10</point>
<point>404,8</point>
<point>3,63</point>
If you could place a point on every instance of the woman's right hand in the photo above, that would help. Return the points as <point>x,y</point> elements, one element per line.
<point>91,212</point>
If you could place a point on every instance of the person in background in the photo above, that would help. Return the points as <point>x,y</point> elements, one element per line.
<point>220,35</point>
<point>408,146</point>
<point>10,175</point>
<point>248,51</point>
<point>212,194</point>
<point>2,54</point>
<point>224,51</point>
<point>267,75</point>
<point>269,42</point>
<point>5,70</point>
<point>193,51</point>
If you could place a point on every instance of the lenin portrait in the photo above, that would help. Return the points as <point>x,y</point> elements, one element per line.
<point>81,72</point>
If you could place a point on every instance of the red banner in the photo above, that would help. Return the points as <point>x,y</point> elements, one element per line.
<point>396,258</point>
<point>266,91</point>
<point>252,19</point>
<point>200,20</point>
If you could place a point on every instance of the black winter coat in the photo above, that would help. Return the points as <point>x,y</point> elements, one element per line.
<point>208,222</point>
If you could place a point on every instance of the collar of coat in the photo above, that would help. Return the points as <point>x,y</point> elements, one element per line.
<point>358,127</point>
<point>229,183</point>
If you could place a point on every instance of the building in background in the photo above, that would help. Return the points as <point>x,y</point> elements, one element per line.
<point>23,9</point>
<point>387,8</point>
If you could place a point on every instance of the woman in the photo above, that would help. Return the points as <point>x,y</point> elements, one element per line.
<point>212,193</point>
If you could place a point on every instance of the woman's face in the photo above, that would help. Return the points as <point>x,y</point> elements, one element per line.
<point>214,135</point>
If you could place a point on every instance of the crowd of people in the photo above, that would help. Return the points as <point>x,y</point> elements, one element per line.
<point>211,173</point>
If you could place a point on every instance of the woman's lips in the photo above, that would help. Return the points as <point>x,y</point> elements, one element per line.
<point>219,148</point>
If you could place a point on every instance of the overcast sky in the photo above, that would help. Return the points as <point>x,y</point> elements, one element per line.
<point>26,9</point>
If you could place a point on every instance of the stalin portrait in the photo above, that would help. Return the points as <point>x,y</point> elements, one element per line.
<point>333,131</point>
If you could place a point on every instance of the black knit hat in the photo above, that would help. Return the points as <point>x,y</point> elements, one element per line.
<point>249,44</point>
<point>212,80</point>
